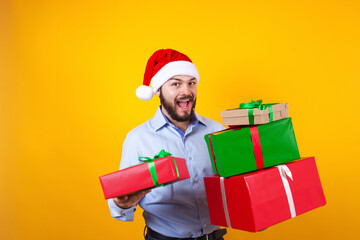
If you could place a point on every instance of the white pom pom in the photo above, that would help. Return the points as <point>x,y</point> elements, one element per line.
<point>144,92</point>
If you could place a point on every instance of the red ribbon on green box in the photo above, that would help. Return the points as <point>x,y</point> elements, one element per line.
<point>152,168</point>
<point>259,105</point>
<point>255,138</point>
<point>257,147</point>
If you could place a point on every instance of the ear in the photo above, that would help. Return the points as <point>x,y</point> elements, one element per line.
<point>157,93</point>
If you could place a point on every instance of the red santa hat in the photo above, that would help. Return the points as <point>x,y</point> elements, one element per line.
<point>161,66</point>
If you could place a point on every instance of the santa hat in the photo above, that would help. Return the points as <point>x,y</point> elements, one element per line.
<point>161,66</point>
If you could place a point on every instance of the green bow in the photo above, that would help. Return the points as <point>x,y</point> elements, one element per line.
<point>151,163</point>
<point>259,105</point>
<point>160,154</point>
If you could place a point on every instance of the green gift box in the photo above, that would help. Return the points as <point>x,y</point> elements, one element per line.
<point>244,149</point>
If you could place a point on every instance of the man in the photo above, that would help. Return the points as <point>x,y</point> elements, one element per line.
<point>178,210</point>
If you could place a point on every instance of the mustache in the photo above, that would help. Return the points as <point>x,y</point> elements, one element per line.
<point>186,97</point>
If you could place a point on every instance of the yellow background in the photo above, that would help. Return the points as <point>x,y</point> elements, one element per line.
<point>68,74</point>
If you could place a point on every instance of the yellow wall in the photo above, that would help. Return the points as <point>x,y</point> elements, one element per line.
<point>68,74</point>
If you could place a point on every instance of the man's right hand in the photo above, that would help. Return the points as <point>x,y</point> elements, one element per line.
<point>131,200</point>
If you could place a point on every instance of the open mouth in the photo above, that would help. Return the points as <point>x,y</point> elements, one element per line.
<point>183,104</point>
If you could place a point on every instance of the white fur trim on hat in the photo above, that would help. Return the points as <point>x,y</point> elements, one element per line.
<point>144,92</point>
<point>172,69</point>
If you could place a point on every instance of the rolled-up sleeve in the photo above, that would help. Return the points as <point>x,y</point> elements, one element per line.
<point>120,213</point>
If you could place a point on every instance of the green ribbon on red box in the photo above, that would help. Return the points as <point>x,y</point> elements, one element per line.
<point>152,168</point>
<point>259,105</point>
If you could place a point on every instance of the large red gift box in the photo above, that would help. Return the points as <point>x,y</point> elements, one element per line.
<point>256,200</point>
<point>139,177</point>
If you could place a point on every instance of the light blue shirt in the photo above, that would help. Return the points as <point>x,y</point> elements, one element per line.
<point>179,209</point>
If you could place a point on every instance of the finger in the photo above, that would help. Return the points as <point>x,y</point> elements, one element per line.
<point>122,198</point>
<point>137,197</point>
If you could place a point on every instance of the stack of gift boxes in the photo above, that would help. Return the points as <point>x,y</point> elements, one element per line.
<point>260,179</point>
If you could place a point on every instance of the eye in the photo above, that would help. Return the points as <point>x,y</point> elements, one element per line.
<point>192,83</point>
<point>176,84</point>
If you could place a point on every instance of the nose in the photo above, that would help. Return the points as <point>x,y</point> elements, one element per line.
<point>185,89</point>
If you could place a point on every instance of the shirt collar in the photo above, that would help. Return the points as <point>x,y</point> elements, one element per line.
<point>160,120</point>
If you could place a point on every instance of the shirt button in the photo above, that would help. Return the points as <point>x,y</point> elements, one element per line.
<point>195,180</point>
<point>201,202</point>
<point>184,138</point>
<point>190,158</point>
<point>205,225</point>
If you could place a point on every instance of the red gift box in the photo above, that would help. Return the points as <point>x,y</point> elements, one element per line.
<point>138,177</point>
<point>256,200</point>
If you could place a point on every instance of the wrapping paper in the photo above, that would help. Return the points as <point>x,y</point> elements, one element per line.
<point>271,112</point>
<point>243,149</point>
<point>139,177</point>
<point>257,200</point>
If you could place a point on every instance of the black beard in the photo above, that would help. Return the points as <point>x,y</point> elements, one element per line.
<point>171,109</point>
